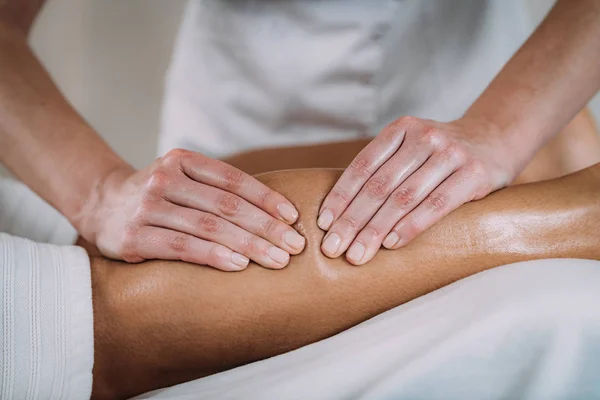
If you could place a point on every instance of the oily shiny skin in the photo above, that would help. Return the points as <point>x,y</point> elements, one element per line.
<point>161,323</point>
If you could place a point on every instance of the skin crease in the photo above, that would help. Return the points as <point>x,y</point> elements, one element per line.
<point>160,323</point>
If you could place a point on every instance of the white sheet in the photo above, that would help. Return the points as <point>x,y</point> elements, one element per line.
<point>525,331</point>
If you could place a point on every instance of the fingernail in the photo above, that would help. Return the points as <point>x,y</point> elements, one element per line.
<point>331,244</point>
<point>391,240</point>
<point>294,240</point>
<point>287,212</point>
<point>325,219</point>
<point>356,252</point>
<point>278,255</point>
<point>239,260</point>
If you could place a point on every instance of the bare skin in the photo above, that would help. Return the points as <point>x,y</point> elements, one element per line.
<point>432,167</point>
<point>576,147</point>
<point>161,323</point>
<point>148,334</point>
<point>54,151</point>
<point>50,147</point>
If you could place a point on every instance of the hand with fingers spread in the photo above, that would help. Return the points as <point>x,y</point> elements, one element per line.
<point>410,176</point>
<point>189,207</point>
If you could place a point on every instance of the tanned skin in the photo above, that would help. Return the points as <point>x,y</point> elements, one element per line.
<point>162,323</point>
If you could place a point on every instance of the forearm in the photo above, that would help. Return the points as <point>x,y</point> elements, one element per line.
<point>548,81</point>
<point>161,323</point>
<point>43,140</point>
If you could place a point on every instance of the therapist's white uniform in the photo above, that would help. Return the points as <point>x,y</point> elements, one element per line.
<point>260,73</point>
<point>257,73</point>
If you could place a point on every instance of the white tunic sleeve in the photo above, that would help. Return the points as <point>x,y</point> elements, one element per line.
<point>46,320</point>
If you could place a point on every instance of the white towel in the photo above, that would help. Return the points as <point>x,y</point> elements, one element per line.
<point>46,320</point>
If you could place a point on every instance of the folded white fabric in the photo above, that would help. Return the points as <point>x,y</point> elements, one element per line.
<point>46,320</point>
<point>46,328</point>
<point>526,331</point>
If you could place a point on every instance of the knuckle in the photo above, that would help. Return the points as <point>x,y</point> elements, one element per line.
<point>410,229</point>
<point>432,137</point>
<point>438,202</point>
<point>267,226</point>
<point>360,166</point>
<point>257,245</point>
<point>370,233</point>
<point>158,182</point>
<point>174,157</point>
<point>340,197</point>
<point>213,257</point>
<point>248,243</point>
<point>403,196</point>
<point>253,246</point>
<point>179,243</point>
<point>453,153</point>
<point>400,126</point>
<point>228,204</point>
<point>404,121</point>
<point>209,224</point>
<point>234,178</point>
<point>263,197</point>
<point>377,188</point>
<point>350,221</point>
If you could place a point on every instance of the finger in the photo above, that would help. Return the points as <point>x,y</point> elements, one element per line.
<point>375,192</point>
<point>217,230</point>
<point>164,244</point>
<point>238,211</point>
<point>373,156</point>
<point>402,201</point>
<point>458,189</point>
<point>222,175</point>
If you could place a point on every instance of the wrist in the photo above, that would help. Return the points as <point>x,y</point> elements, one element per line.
<point>486,135</point>
<point>515,140</point>
<point>88,216</point>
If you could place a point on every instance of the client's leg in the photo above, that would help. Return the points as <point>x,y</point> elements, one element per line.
<point>525,331</point>
<point>161,323</point>
<point>575,148</point>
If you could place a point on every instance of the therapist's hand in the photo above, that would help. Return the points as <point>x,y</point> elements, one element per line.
<point>189,207</point>
<point>411,175</point>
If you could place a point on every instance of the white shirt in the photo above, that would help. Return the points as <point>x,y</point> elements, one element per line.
<point>260,73</point>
